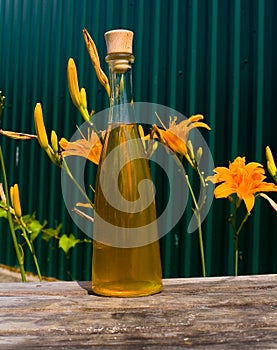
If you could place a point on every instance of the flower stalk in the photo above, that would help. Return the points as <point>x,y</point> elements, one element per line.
<point>30,244</point>
<point>176,139</point>
<point>236,232</point>
<point>18,249</point>
<point>197,214</point>
<point>70,175</point>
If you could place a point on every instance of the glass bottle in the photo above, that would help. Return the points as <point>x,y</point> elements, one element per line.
<point>126,262</point>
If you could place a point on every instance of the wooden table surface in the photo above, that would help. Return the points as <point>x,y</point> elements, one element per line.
<point>193,313</point>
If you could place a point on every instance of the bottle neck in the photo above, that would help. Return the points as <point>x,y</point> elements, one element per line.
<point>121,98</point>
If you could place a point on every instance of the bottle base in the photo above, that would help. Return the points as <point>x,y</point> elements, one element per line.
<point>127,290</point>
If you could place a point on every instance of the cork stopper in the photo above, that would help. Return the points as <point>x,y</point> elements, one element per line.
<point>119,41</point>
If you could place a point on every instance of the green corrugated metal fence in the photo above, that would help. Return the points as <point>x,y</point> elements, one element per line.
<point>215,57</point>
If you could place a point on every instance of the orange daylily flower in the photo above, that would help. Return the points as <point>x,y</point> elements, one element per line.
<point>176,136</point>
<point>245,180</point>
<point>89,148</point>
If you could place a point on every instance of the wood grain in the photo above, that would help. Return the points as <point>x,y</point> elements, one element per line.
<point>194,313</point>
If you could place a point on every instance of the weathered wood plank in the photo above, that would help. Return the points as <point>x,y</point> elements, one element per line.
<point>211,313</point>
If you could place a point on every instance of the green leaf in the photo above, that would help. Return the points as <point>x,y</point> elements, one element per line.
<point>35,227</point>
<point>51,232</point>
<point>28,218</point>
<point>68,242</point>
<point>3,213</point>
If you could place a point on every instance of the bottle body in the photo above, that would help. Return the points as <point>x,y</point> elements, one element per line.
<point>126,253</point>
<point>125,268</point>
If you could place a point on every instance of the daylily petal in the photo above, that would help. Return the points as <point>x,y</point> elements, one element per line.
<point>222,174</point>
<point>223,191</point>
<point>174,142</point>
<point>249,202</point>
<point>199,125</point>
<point>195,118</point>
<point>266,187</point>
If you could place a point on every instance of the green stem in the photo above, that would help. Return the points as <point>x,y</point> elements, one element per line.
<point>19,253</point>
<point>197,209</point>
<point>232,220</point>
<point>31,247</point>
<point>69,173</point>
<point>201,245</point>
<point>200,234</point>
<point>36,263</point>
<point>191,192</point>
<point>236,246</point>
<point>86,116</point>
<point>243,222</point>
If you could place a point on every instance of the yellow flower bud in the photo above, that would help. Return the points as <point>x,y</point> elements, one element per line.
<point>54,141</point>
<point>40,127</point>
<point>14,193</point>
<point>270,162</point>
<point>73,84</point>
<point>199,154</point>
<point>190,150</point>
<point>83,98</point>
<point>271,169</point>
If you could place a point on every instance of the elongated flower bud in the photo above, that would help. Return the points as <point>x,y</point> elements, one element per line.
<point>40,127</point>
<point>54,141</point>
<point>190,149</point>
<point>83,105</point>
<point>199,154</point>
<point>73,84</point>
<point>271,169</point>
<point>83,98</point>
<point>269,155</point>
<point>14,193</point>
<point>270,162</point>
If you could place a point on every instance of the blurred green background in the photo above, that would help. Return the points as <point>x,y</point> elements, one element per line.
<point>214,57</point>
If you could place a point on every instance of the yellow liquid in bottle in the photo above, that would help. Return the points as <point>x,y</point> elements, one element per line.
<point>118,271</point>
